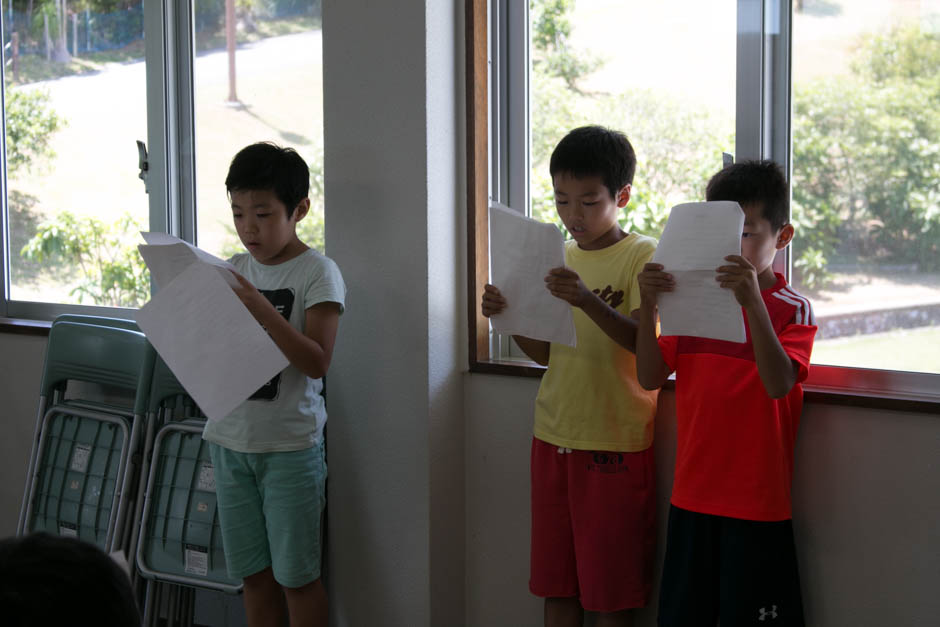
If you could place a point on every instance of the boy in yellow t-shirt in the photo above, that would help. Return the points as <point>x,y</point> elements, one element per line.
<point>593,491</point>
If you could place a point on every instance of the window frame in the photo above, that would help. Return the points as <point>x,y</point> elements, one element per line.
<point>762,130</point>
<point>170,178</point>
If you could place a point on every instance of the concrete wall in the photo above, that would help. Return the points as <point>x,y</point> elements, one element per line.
<point>866,506</point>
<point>391,93</point>
<point>21,359</point>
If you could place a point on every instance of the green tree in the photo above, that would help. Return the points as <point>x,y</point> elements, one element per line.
<point>866,147</point>
<point>30,124</point>
<point>677,147</point>
<point>311,229</point>
<point>551,34</point>
<point>110,270</point>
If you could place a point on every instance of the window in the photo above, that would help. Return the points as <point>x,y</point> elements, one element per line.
<point>664,72</point>
<point>81,86</point>
<point>75,99</point>
<point>688,81</point>
<point>278,96</point>
<point>866,188</point>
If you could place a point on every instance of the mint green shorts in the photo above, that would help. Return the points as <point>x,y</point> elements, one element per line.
<point>270,510</point>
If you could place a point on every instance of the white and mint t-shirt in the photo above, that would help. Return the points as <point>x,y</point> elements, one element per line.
<point>287,413</point>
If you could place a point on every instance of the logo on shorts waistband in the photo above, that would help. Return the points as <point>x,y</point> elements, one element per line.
<point>764,613</point>
<point>607,462</point>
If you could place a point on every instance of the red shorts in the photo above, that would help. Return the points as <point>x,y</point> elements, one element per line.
<point>593,526</point>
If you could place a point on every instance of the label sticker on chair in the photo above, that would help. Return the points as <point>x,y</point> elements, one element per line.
<point>197,560</point>
<point>206,480</point>
<point>69,530</point>
<point>80,456</point>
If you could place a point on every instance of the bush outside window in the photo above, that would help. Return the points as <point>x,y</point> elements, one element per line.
<point>865,145</point>
<point>75,96</point>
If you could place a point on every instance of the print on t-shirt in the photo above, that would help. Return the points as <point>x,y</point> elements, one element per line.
<point>609,296</point>
<point>283,301</point>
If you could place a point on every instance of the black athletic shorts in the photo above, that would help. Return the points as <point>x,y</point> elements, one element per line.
<point>739,572</point>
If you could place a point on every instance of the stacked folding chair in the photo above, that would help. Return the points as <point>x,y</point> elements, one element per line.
<point>86,447</point>
<point>118,460</point>
<point>179,547</point>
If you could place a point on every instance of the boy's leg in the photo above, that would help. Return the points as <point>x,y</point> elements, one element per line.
<point>244,534</point>
<point>263,599</point>
<point>553,571</point>
<point>563,612</point>
<point>760,582</point>
<point>623,618</point>
<point>688,592</point>
<point>307,605</point>
<point>293,492</point>
<point>612,502</point>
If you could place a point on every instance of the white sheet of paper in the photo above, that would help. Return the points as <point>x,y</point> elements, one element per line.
<point>211,342</point>
<point>522,251</point>
<point>696,239</point>
<point>167,256</point>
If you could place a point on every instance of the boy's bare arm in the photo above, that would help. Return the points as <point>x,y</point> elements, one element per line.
<point>564,283</point>
<point>651,368</point>
<point>777,371</point>
<point>537,350</point>
<point>492,304</point>
<point>311,351</point>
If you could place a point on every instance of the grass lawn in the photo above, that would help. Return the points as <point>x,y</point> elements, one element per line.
<point>904,349</point>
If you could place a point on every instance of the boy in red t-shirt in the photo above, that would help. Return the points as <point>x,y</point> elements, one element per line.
<point>730,555</point>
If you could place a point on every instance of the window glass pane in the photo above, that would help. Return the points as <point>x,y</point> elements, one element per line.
<point>866,181</point>
<point>661,72</point>
<point>75,102</point>
<point>276,95</point>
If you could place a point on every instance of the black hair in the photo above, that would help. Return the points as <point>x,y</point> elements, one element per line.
<point>595,151</point>
<point>754,183</point>
<point>267,166</point>
<point>56,580</point>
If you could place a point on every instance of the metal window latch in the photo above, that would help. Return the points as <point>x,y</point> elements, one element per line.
<point>143,164</point>
<point>726,159</point>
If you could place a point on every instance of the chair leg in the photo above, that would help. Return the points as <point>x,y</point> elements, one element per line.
<point>21,524</point>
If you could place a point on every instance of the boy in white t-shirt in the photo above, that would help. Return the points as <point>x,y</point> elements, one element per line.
<point>268,452</point>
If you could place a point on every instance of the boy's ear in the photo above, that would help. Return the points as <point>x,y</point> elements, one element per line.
<point>301,210</point>
<point>623,196</point>
<point>785,236</point>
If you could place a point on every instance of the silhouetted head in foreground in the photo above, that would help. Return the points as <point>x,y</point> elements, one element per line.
<point>48,580</point>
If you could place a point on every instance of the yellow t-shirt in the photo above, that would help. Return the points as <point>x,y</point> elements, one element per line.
<point>589,398</point>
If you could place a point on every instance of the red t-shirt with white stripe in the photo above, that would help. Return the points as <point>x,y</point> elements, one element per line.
<point>734,453</point>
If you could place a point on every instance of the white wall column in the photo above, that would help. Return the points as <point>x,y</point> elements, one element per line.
<point>395,432</point>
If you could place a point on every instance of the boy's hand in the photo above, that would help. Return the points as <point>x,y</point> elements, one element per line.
<point>652,281</point>
<point>740,276</point>
<point>493,302</point>
<point>564,283</point>
<point>250,296</point>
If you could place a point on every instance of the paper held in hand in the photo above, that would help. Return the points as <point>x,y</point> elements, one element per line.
<point>209,340</point>
<point>697,238</point>
<point>522,251</point>
<point>167,256</point>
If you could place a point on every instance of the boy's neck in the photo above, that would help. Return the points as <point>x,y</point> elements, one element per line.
<point>766,278</point>
<point>293,250</point>
<point>608,239</point>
